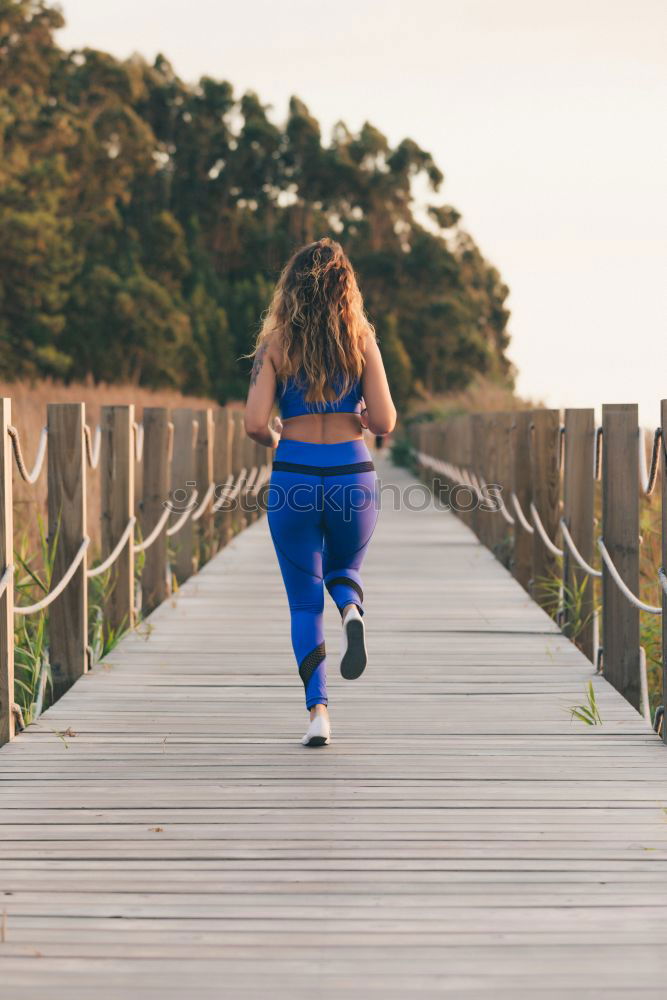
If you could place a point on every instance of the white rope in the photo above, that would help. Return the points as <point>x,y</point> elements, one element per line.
<point>222,499</point>
<point>32,476</point>
<point>503,510</point>
<point>188,512</point>
<point>30,609</point>
<point>474,483</point>
<point>620,583</point>
<point>201,510</point>
<point>116,551</point>
<point>138,440</point>
<point>148,541</point>
<point>537,521</point>
<point>236,489</point>
<point>6,577</point>
<point>250,480</point>
<point>574,551</point>
<point>648,478</point>
<point>521,516</point>
<point>93,445</point>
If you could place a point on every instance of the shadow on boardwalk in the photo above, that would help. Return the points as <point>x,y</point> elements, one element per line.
<point>460,837</point>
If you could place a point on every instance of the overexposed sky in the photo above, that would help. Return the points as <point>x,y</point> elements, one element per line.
<point>548,121</point>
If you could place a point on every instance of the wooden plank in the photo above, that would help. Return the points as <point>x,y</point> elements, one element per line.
<point>117,464</point>
<point>155,493</point>
<point>461,833</point>
<point>7,725</point>
<point>620,531</point>
<point>68,614</point>
<point>578,502</point>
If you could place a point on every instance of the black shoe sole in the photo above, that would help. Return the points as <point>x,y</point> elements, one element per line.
<point>355,659</point>
<point>316,741</point>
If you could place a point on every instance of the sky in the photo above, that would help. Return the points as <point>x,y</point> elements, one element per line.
<point>548,121</point>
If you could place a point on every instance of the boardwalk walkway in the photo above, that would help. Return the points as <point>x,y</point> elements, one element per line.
<point>461,837</point>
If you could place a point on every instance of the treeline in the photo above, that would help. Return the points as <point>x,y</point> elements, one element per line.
<point>143,222</point>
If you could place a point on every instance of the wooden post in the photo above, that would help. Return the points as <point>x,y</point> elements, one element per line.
<point>663,424</point>
<point>183,481</point>
<point>204,477</point>
<point>6,559</point>
<point>117,507</point>
<point>578,499</point>
<point>462,451</point>
<point>522,556</point>
<point>492,519</point>
<point>503,478</point>
<point>250,462</point>
<point>237,465</point>
<point>222,466</point>
<point>620,533</point>
<point>478,453</point>
<point>68,614</point>
<point>545,474</point>
<point>156,486</point>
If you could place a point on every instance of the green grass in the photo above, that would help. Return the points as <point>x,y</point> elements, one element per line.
<point>589,712</point>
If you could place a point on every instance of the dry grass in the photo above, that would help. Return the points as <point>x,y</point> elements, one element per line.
<point>29,401</point>
<point>481,396</point>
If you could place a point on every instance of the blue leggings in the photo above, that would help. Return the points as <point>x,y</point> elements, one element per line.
<point>322,508</point>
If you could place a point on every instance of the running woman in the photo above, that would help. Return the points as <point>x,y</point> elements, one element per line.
<point>317,358</point>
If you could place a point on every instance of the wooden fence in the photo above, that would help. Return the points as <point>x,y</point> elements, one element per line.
<point>173,489</point>
<point>528,485</point>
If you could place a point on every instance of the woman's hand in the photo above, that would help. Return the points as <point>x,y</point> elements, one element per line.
<point>363,416</point>
<point>277,425</point>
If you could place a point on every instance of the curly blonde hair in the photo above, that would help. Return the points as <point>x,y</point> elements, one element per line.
<point>317,322</point>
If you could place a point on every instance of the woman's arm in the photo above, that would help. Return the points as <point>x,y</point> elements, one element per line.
<point>381,413</point>
<point>261,398</point>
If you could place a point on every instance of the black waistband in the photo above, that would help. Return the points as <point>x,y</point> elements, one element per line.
<point>325,470</point>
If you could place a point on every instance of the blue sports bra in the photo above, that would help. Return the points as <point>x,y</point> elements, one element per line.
<point>292,404</point>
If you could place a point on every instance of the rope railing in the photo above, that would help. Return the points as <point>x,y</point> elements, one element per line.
<point>575,553</point>
<point>222,498</point>
<point>155,533</point>
<point>138,437</point>
<point>537,521</point>
<point>522,519</point>
<point>206,500</point>
<point>31,609</point>
<point>6,578</point>
<point>29,476</point>
<point>648,479</point>
<point>115,552</point>
<point>93,445</point>
<point>542,459</point>
<point>231,466</point>
<point>174,528</point>
<point>621,584</point>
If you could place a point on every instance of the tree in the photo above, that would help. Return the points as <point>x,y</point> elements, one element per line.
<point>143,222</point>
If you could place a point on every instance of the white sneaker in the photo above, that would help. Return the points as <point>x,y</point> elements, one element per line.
<point>319,732</point>
<point>353,657</point>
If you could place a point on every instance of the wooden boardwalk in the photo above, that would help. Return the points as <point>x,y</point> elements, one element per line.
<point>461,837</point>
